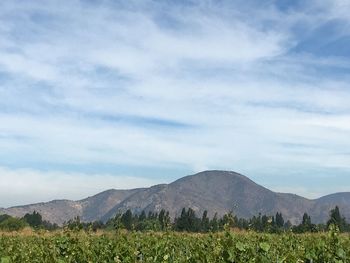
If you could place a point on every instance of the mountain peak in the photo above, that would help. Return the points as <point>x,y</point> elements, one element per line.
<point>216,191</point>
<point>215,175</point>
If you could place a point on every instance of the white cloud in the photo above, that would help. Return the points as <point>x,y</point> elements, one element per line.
<point>25,186</point>
<point>79,74</point>
<point>15,63</point>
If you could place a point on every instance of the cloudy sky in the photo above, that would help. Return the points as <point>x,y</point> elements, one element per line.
<point>123,94</point>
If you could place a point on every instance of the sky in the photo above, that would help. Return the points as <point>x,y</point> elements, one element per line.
<point>123,94</point>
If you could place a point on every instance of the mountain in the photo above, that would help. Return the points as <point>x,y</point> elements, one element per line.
<point>323,205</point>
<point>216,191</point>
<point>60,211</point>
<point>100,204</point>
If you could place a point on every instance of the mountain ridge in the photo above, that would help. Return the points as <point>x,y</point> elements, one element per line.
<point>215,191</point>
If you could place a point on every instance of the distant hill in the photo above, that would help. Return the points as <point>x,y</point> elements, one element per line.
<point>215,191</point>
<point>60,211</point>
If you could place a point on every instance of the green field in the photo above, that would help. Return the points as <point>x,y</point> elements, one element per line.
<point>123,246</point>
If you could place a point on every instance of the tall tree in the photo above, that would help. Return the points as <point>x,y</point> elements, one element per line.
<point>306,225</point>
<point>214,224</point>
<point>127,220</point>
<point>34,220</point>
<point>205,222</point>
<point>164,219</point>
<point>181,222</point>
<point>279,220</point>
<point>142,216</point>
<point>193,223</point>
<point>337,219</point>
<point>306,220</point>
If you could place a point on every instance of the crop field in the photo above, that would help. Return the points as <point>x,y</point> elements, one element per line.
<point>131,247</point>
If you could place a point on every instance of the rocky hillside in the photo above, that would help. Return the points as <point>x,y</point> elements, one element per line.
<point>89,209</point>
<point>215,191</point>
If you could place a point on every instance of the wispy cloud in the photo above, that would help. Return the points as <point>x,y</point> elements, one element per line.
<point>184,86</point>
<point>26,186</point>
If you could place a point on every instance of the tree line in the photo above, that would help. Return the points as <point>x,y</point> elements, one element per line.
<point>187,221</point>
<point>34,220</point>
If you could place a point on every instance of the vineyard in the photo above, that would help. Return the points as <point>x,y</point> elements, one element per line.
<point>227,246</point>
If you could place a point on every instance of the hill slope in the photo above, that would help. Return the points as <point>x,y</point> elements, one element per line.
<point>60,211</point>
<point>215,191</point>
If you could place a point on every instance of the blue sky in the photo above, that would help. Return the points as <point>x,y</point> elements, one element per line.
<point>123,94</point>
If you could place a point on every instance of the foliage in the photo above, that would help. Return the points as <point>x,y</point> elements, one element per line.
<point>127,247</point>
<point>12,224</point>
<point>77,241</point>
<point>4,217</point>
<point>187,221</point>
<point>34,220</point>
<point>305,226</point>
<point>337,220</point>
<point>76,224</point>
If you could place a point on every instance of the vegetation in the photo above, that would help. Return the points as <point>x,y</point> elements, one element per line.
<point>189,222</point>
<point>33,220</point>
<point>186,222</point>
<point>154,238</point>
<point>125,246</point>
<point>338,220</point>
<point>12,224</point>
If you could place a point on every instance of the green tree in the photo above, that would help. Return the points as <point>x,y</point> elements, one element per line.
<point>142,216</point>
<point>337,219</point>
<point>34,220</point>
<point>75,224</point>
<point>127,220</point>
<point>256,223</point>
<point>163,221</point>
<point>188,221</point>
<point>306,220</point>
<point>117,222</point>
<point>205,222</point>
<point>181,223</point>
<point>193,222</point>
<point>214,223</point>
<point>12,224</point>
<point>279,220</point>
<point>4,217</point>
<point>306,225</point>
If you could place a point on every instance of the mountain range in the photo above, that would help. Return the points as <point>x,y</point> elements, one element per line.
<point>215,191</point>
